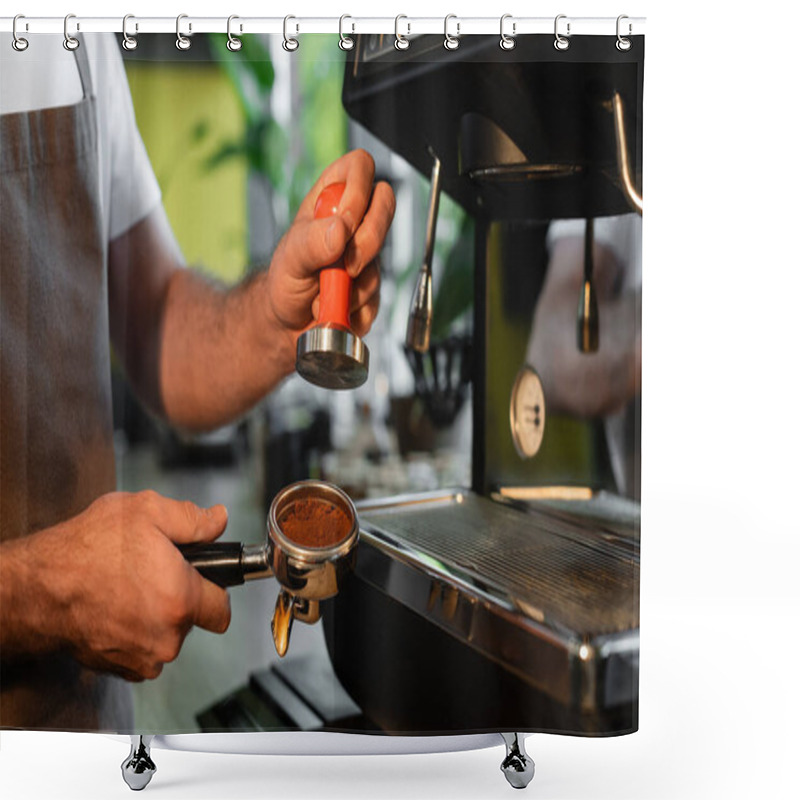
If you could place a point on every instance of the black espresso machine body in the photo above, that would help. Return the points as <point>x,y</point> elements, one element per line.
<point>473,609</point>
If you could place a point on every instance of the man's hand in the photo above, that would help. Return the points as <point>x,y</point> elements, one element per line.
<point>201,355</point>
<point>356,232</point>
<point>110,585</point>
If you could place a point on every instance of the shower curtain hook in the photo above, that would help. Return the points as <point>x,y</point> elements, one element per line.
<point>345,42</point>
<point>129,42</point>
<point>561,42</point>
<point>623,44</point>
<point>70,42</point>
<point>290,44</point>
<point>18,43</point>
<point>233,44</point>
<point>507,42</point>
<point>451,42</point>
<point>182,42</point>
<point>400,42</point>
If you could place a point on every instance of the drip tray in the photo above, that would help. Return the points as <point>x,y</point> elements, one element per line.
<point>545,597</point>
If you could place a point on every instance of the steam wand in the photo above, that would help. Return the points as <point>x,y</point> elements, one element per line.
<point>420,317</point>
<point>588,317</point>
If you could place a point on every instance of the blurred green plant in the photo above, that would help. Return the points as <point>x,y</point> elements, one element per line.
<point>264,145</point>
<point>455,291</point>
<point>290,161</point>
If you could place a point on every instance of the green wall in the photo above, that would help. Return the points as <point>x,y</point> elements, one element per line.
<point>184,112</point>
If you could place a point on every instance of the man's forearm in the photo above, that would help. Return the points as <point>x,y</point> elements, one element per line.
<point>221,350</point>
<point>29,605</point>
<point>202,355</point>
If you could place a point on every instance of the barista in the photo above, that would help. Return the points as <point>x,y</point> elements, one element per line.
<point>605,384</point>
<point>92,588</point>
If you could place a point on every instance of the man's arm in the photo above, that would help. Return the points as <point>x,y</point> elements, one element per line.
<point>202,354</point>
<point>109,585</point>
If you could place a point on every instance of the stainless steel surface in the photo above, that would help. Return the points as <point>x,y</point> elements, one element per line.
<point>307,574</point>
<point>623,160</point>
<point>255,562</point>
<point>588,316</point>
<point>332,357</point>
<point>517,766</point>
<point>138,768</point>
<point>420,317</point>
<point>313,573</point>
<point>523,172</point>
<point>540,594</point>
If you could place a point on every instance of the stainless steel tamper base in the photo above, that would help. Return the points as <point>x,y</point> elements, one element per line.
<point>517,766</point>
<point>138,768</point>
<point>332,357</point>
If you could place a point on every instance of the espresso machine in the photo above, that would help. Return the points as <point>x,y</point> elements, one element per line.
<point>511,604</point>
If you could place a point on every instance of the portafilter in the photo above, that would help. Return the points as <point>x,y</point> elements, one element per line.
<point>310,547</point>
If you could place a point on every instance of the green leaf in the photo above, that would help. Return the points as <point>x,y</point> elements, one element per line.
<point>225,152</point>
<point>232,67</point>
<point>200,130</point>
<point>275,145</point>
<point>258,60</point>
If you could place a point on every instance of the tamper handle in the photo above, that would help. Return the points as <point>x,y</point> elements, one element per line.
<point>334,282</point>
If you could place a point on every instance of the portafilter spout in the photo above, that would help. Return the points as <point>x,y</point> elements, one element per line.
<point>420,317</point>
<point>312,533</point>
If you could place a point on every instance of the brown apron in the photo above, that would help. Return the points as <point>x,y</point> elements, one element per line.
<point>56,451</point>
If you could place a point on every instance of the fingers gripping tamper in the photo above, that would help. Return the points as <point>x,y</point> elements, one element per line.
<point>330,354</point>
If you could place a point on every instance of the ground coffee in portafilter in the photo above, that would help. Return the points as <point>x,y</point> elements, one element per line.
<point>315,523</point>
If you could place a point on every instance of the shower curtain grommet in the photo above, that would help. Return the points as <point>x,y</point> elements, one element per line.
<point>70,42</point>
<point>623,44</point>
<point>451,42</point>
<point>507,42</point>
<point>345,42</point>
<point>290,44</point>
<point>233,44</point>
<point>182,42</point>
<point>561,42</point>
<point>400,41</point>
<point>129,42</point>
<point>17,42</point>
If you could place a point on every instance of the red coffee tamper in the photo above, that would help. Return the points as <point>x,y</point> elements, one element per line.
<point>330,354</point>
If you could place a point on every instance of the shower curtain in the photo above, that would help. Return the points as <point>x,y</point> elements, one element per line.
<point>163,246</point>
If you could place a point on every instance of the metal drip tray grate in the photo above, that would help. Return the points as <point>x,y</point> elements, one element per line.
<point>554,570</point>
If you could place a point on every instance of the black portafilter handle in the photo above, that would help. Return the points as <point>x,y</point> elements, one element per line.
<point>219,562</point>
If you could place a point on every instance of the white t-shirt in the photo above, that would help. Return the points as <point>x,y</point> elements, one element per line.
<point>46,75</point>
